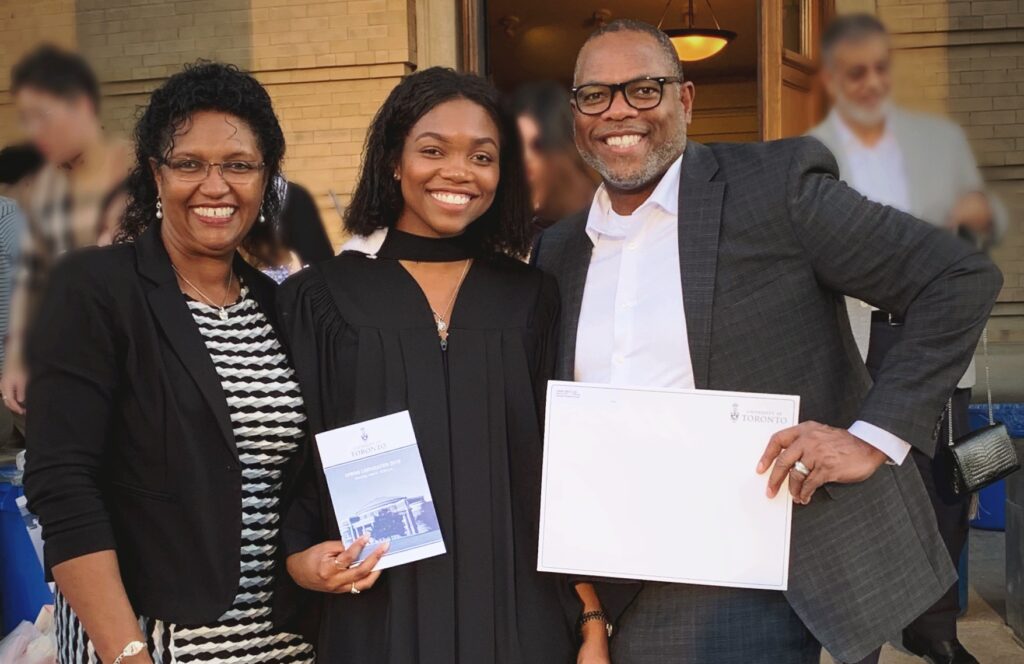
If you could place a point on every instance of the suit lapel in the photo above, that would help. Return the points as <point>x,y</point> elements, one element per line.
<point>700,217</point>
<point>174,318</point>
<point>916,164</point>
<point>575,265</point>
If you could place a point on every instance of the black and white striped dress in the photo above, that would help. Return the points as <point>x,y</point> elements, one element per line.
<point>267,418</point>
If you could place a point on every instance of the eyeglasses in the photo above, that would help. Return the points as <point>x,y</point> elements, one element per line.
<point>196,170</point>
<point>642,94</point>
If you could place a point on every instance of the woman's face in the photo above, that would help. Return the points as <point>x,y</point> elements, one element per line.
<point>208,213</point>
<point>449,169</point>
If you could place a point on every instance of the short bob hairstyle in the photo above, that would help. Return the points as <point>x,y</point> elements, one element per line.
<point>203,86</point>
<point>377,202</point>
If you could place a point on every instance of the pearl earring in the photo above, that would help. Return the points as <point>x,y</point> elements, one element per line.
<point>397,176</point>
<point>263,219</point>
<point>159,209</point>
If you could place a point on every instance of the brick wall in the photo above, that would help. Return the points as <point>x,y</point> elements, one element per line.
<point>328,65</point>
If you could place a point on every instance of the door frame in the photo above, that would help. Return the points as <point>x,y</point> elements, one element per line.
<point>778,66</point>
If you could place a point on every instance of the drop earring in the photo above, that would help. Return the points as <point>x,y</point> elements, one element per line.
<point>262,218</point>
<point>159,209</point>
<point>397,176</point>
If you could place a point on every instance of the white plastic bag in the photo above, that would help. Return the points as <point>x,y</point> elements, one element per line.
<point>31,644</point>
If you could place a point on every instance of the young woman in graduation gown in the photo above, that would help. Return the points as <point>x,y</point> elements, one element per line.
<point>429,310</point>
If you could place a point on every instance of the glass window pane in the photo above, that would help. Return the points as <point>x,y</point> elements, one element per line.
<point>792,22</point>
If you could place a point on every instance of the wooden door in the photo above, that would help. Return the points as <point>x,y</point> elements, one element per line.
<point>790,100</point>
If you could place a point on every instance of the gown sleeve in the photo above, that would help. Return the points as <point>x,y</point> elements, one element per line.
<point>309,322</point>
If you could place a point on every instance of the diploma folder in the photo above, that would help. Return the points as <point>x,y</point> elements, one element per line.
<point>378,487</point>
<point>661,485</point>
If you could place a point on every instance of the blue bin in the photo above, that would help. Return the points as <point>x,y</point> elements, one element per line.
<point>22,585</point>
<point>992,499</point>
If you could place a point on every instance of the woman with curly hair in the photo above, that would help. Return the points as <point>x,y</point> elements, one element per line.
<point>431,312</point>
<point>163,409</point>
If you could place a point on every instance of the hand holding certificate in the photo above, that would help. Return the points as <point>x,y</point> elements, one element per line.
<point>673,473</point>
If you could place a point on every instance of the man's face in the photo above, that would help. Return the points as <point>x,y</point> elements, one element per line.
<point>59,127</point>
<point>628,147</point>
<point>858,79</point>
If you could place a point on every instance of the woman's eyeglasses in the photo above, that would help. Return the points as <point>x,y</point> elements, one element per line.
<point>641,93</point>
<point>196,170</point>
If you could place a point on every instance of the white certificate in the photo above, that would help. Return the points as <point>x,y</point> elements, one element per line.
<point>661,485</point>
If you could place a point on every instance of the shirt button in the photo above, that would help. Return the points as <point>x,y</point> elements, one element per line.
<point>618,359</point>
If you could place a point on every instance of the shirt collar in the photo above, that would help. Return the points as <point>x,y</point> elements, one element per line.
<point>602,220</point>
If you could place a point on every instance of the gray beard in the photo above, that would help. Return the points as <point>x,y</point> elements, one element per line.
<point>658,161</point>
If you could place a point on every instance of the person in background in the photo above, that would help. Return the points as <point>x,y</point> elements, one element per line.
<point>560,183</point>
<point>163,410</point>
<point>78,197</point>
<point>302,229</point>
<point>19,165</point>
<point>920,164</point>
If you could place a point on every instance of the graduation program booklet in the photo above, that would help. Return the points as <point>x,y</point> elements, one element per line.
<point>378,487</point>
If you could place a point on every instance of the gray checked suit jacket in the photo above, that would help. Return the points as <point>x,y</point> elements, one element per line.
<point>769,243</point>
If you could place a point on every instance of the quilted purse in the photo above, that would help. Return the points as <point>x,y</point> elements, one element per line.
<point>985,456</point>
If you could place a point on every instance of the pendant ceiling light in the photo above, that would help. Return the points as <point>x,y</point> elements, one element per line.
<point>693,43</point>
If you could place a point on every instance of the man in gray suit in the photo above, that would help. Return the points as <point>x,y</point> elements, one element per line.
<point>724,267</point>
<point>920,164</point>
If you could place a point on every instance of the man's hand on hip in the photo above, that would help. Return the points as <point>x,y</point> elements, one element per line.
<point>825,453</point>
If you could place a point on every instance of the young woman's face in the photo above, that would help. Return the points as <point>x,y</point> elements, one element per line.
<point>208,212</point>
<point>448,169</point>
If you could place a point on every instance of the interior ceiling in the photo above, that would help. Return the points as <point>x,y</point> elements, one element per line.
<point>548,33</point>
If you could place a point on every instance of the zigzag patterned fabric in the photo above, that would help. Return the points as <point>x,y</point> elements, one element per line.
<point>267,417</point>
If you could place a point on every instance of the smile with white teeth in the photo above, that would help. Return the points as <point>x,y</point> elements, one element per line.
<point>218,212</point>
<point>627,141</point>
<point>450,198</point>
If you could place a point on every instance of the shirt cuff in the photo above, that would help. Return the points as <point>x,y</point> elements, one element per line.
<point>895,448</point>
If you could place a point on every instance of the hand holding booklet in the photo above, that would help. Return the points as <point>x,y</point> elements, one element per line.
<point>379,488</point>
<point>661,485</point>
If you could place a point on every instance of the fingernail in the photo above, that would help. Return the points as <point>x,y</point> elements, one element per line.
<point>387,545</point>
<point>760,468</point>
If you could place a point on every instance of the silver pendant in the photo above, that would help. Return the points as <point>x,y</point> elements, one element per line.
<point>441,325</point>
<point>223,314</point>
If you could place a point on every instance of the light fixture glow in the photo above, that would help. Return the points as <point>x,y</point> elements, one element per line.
<point>693,43</point>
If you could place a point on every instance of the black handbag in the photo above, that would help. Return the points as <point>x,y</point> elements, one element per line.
<point>985,456</point>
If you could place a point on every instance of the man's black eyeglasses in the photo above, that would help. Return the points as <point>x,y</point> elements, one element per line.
<point>641,93</point>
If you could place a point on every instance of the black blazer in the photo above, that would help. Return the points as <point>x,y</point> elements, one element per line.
<point>131,445</point>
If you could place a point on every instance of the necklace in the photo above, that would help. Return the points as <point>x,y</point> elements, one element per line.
<point>442,319</point>
<point>222,307</point>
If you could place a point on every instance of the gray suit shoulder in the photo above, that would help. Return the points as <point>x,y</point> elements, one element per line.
<point>770,159</point>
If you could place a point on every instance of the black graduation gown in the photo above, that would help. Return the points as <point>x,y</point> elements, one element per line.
<point>364,344</point>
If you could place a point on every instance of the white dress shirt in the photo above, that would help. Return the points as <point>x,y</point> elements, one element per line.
<point>876,171</point>
<point>632,327</point>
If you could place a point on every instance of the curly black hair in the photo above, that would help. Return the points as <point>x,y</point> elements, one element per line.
<point>203,86</point>
<point>377,201</point>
